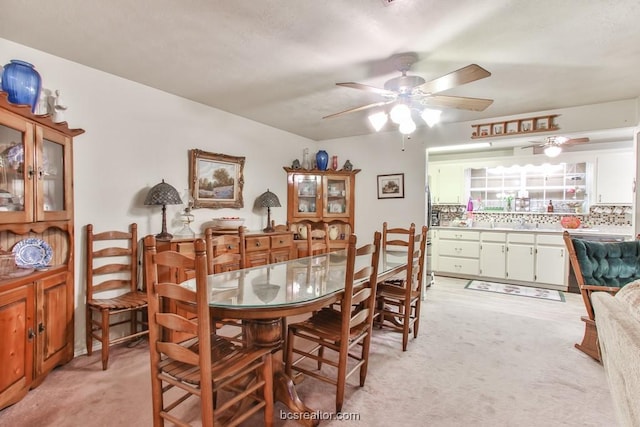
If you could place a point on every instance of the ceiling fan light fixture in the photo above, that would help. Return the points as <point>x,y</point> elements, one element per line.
<point>430,116</point>
<point>378,120</point>
<point>552,151</point>
<point>407,127</point>
<point>400,113</point>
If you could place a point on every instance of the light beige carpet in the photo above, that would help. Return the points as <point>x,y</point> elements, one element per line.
<point>482,359</point>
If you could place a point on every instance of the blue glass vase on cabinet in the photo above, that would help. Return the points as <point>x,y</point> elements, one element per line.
<point>22,83</point>
<point>322,160</point>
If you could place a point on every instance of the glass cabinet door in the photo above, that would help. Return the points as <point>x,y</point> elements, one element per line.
<point>336,196</point>
<point>53,176</point>
<point>16,166</point>
<point>307,201</point>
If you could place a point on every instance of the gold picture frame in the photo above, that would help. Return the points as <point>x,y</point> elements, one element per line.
<point>215,180</point>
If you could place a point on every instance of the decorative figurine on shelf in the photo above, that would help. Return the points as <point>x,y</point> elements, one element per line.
<point>58,108</point>
<point>348,166</point>
<point>295,164</point>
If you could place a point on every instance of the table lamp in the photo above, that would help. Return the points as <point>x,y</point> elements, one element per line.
<point>268,200</point>
<point>163,194</point>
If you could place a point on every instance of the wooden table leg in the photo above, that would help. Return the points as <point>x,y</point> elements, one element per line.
<point>268,333</point>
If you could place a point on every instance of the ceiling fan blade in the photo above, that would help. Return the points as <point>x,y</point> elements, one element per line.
<point>533,146</point>
<point>459,102</point>
<point>464,75</point>
<point>575,141</point>
<point>363,107</point>
<point>368,88</point>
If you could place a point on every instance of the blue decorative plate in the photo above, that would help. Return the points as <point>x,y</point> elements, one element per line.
<point>32,252</point>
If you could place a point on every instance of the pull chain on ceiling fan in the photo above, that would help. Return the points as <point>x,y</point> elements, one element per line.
<point>411,93</point>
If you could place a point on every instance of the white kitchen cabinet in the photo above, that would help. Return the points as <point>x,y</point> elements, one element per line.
<point>615,178</point>
<point>521,257</point>
<point>552,264</point>
<point>447,183</point>
<point>493,255</point>
<point>458,252</point>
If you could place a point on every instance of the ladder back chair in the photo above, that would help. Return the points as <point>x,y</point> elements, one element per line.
<point>600,267</point>
<point>207,366</point>
<point>112,295</point>
<point>227,253</point>
<point>318,240</point>
<point>399,299</point>
<point>340,337</point>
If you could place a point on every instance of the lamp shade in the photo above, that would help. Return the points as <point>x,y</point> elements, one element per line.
<point>163,194</point>
<point>268,200</point>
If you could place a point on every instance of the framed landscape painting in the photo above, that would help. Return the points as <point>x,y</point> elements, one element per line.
<point>391,186</point>
<point>215,180</point>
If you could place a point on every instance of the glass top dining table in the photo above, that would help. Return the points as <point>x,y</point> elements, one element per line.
<point>289,284</point>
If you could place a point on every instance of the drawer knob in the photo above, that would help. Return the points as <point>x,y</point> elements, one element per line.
<point>257,243</point>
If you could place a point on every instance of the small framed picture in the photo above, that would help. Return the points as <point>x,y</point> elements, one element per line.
<point>542,123</point>
<point>512,127</point>
<point>526,126</point>
<point>484,130</point>
<point>391,186</point>
<point>498,129</point>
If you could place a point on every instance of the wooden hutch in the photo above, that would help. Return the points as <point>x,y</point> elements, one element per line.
<point>316,197</point>
<point>36,213</point>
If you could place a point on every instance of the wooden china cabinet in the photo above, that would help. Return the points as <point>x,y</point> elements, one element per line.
<point>316,197</point>
<point>36,217</point>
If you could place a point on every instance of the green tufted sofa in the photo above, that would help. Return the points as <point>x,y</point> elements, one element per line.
<point>600,267</point>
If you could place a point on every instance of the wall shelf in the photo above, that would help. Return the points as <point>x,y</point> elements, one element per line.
<point>515,127</point>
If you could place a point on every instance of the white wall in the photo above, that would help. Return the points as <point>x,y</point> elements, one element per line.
<point>382,154</point>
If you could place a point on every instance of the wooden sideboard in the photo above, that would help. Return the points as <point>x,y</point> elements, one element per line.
<point>261,248</point>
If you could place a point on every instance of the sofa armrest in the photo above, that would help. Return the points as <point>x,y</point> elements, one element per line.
<point>619,338</point>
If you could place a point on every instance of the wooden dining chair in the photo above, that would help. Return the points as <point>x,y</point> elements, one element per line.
<point>207,366</point>
<point>112,295</point>
<point>398,299</point>
<point>340,338</point>
<point>318,240</point>
<point>225,253</point>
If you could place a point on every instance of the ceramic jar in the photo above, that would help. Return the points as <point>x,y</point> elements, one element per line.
<point>22,83</point>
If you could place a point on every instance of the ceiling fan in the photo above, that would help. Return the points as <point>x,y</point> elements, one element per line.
<point>416,93</point>
<point>552,146</point>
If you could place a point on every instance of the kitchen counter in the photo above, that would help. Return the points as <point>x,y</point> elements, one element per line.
<point>599,231</point>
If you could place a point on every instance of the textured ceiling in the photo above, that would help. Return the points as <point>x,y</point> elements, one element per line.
<point>277,61</point>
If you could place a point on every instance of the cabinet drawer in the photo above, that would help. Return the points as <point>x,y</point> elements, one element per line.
<point>492,236</point>
<point>282,241</point>
<point>230,248</point>
<point>460,235</point>
<point>550,239</point>
<point>521,238</point>
<point>458,265</point>
<point>254,244</point>
<point>459,249</point>
<point>186,248</point>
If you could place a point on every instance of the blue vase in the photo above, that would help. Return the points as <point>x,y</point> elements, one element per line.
<point>22,83</point>
<point>322,160</point>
